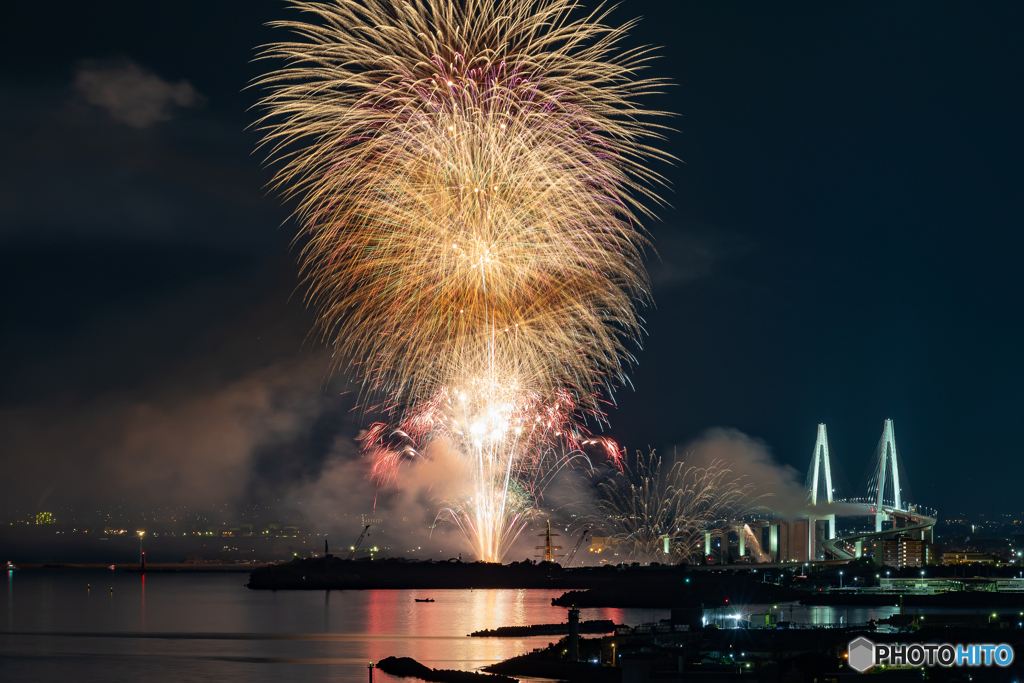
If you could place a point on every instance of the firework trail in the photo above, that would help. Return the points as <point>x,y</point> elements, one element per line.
<point>644,504</point>
<point>469,176</point>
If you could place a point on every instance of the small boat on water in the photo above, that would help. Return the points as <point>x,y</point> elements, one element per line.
<point>424,599</point>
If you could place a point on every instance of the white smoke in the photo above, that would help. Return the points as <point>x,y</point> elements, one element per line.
<point>131,94</point>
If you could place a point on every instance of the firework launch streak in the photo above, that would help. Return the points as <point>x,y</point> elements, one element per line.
<point>863,654</point>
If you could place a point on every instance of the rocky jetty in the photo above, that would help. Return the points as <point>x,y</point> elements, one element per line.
<point>588,627</point>
<point>406,667</point>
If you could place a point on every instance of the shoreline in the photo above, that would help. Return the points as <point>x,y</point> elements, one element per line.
<point>597,587</point>
<point>151,568</point>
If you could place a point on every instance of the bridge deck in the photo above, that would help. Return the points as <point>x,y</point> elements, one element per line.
<point>922,522</point>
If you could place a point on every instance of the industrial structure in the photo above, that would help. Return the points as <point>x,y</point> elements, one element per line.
<point>549,554</point>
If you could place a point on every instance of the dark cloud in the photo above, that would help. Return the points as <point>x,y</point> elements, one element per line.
<point>73,173</point>
<point>131,94</point>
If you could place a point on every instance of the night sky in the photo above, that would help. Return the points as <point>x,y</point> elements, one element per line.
<point>842,245</point>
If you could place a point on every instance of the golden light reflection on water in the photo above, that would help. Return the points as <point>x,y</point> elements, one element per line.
<point>437,633</point>
<point>174,625</point>
<point>450,619</point>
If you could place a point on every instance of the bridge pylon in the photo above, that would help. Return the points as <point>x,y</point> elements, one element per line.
<point>820,465</point>
<point>887,455</point>
<point>820,491</point>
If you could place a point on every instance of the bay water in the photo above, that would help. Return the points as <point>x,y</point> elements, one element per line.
<point>113,626</point>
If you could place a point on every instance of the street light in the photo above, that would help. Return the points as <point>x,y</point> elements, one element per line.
<point>141,534</point>
<point>840,579</point>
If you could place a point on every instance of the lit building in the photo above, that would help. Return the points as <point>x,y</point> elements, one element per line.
<point>920,584</point>
<point>972,558</point>
<point>902,551</point>
<point>789,540</point>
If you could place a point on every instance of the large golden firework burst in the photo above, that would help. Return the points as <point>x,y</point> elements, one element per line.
<point>469,176</point>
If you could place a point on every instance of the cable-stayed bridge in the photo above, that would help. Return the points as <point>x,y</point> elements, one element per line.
<point>886,498</point>
<point>807,531</point>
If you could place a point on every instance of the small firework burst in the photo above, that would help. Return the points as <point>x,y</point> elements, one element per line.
<point>645,505</point>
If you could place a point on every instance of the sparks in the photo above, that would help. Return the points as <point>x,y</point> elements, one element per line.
<point>470,177</point>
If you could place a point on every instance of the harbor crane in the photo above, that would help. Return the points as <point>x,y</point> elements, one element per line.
<point>572,553</point>
<point>359,541</point>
